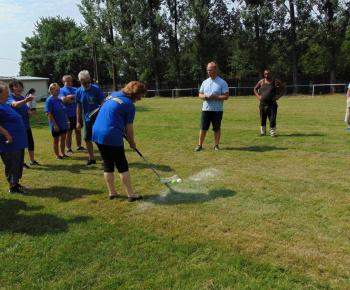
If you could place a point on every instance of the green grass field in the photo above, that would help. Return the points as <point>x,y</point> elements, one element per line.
<point>262,213</point>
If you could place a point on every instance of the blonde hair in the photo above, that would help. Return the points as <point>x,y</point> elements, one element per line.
<point>135,90</point>
<point>213,64</point>
<point>53,86</point>
<point>3,86</point>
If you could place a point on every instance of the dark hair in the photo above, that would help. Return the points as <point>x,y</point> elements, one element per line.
<point>31,91</point>
<point>15,83</point>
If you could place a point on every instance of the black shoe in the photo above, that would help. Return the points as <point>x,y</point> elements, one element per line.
<point>25,166</point>
<point>262,135</point>
<point>216,148</point>
<point>17,189</point>
<point>80,148</point>
<point>34,162</point>
<point>65,156</point>
<point>132,199</point>
<point>59,157</point>
<point>89,162</point>
<point>198,148</point>
<point>21,186</point>
<point>114,196</point>
<point>69,151</point>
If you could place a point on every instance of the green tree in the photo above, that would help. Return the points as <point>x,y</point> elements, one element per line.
<point>207,24</point>
<point>175,9</point>
<point>254,41</point>
<point>98,15</point>
<point>325,39</point>
<point>56,48</point>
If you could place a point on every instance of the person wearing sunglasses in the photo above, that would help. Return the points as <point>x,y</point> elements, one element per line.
<point>88,97</point>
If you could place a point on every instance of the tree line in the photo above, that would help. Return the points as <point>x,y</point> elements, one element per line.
<point>171,41</point>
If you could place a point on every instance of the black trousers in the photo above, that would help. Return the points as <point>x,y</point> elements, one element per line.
<point>268,111</point>
<point>13,161</point>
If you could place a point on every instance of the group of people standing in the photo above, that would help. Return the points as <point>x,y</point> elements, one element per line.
<point>66,108</point>
<point>214,91</point>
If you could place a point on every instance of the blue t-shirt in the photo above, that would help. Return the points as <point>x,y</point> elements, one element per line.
<point>215,87</point>
<point>71,108</point>
<point>89,99</point>
<point>13,123</point>
<point>112,119</point>
<point>58,111</point>
<point>22,110</point>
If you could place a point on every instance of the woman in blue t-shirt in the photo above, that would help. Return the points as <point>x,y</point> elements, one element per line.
<point>115,118</point>
<point>13,141</point>
<point>58,120</point>
<point>17,102</point>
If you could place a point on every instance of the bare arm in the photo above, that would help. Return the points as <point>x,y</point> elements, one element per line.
<point>52,120</point>
<point>202,96</point>
<point>282,89</point>
<point>348,94</point>
<point>220,97</point>
<point>129,132</point>
<point>17,104</point>
<point>79,108</point>
<point>4,132</point>
<point>69,99</point>
<point>256,92</point>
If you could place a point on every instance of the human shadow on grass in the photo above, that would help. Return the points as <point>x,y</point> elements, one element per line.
<point>63,193</point>
<point>257,148</point>
<point>157,167</point>
<point>140,108</point>
<point>301,135</point>
<point>175,197</point>
<point>17,217</point>
<point>73,168</point>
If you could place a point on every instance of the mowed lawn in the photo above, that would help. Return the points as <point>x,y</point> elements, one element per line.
<point>261,213</point>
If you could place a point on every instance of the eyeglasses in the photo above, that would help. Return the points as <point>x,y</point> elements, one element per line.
<point>86,83</point>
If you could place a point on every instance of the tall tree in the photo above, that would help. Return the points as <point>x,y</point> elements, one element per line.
<point>253,52</point>
<point>294,46</point>
<point>333,18</point>
<point>98,17</point>
<point>207,23</point>
<point>56,48</point>
<point>152,25</point>
<point>174,17</point>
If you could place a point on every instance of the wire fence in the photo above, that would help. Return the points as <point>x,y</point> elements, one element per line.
<point>312,90</point>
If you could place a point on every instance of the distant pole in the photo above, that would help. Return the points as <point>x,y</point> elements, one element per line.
<point>95,63</point>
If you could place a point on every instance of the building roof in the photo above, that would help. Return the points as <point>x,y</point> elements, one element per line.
<point>22,78</point>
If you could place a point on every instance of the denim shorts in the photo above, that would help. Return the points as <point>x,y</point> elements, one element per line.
<point>88,131</point>
<point>213,117</point>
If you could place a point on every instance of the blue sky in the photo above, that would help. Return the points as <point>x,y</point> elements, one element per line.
<point>17,19</point>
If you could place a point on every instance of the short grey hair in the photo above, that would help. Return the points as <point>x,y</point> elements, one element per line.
<point>2,86</point>
<point>84,74</point>
<point>65,77</point>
